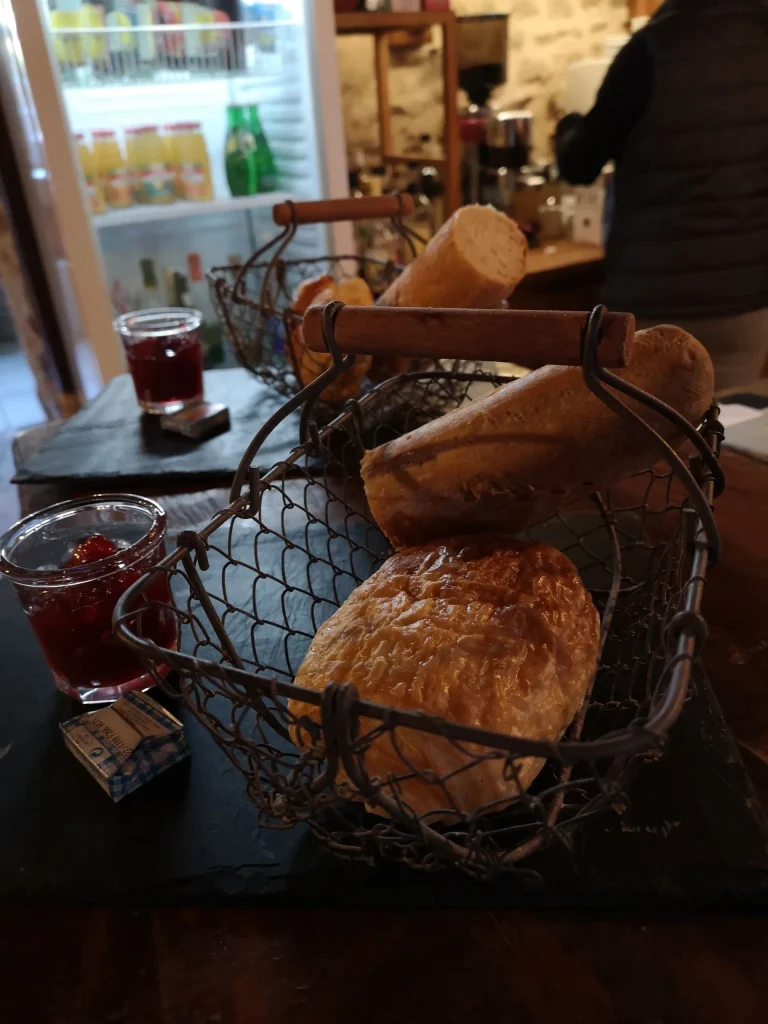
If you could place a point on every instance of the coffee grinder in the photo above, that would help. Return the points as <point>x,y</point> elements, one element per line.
<point>495,144</point>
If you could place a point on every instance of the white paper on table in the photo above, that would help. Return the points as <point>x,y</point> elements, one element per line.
<point>735,413</point>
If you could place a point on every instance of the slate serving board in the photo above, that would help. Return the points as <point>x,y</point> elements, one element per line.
<point>112,440</point>
<point>694,833</point>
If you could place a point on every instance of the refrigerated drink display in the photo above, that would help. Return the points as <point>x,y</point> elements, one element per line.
<point>112,170</point>
<point>88,167</point>
<point>189,155</point>
<point>266,171</point>
<point>240,160</point>
<point>203,98</point>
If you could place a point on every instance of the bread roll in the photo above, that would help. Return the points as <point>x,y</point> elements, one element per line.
<point>512,458</point>
<point>485,631</point>
<point>475,261</point>
<point>308,365</point>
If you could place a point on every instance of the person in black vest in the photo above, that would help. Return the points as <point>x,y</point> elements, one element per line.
<point>683,112</point>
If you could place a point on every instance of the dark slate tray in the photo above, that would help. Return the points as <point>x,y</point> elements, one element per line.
<point>111,440</point>
<point>694,833</point>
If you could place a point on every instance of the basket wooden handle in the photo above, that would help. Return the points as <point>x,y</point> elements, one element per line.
<point>326,211</point>
<point>530,337</point>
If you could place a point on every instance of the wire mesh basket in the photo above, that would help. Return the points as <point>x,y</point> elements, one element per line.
<point>256,302</point>
<point>251,589</point>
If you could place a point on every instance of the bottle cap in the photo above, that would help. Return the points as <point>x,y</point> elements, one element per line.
<point>195,266</point>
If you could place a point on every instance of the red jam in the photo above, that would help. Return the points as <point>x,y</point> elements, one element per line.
<point>167,370</point>
<point>74,623</point>
<point>91,549</point>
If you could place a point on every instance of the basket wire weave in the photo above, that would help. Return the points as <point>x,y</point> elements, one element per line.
<point>251,589</point>
<point>255,302</point>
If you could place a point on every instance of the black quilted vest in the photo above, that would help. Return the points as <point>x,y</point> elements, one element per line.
<point>689,234</point>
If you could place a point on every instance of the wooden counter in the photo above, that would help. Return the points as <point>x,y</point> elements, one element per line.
<point>564,255</point>
<point>561,275</point>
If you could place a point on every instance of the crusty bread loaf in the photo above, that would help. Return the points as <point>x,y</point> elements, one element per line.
<point>309,365</point>
<point>475,261</point>
<point>512,458</point>
<point>485,631</point>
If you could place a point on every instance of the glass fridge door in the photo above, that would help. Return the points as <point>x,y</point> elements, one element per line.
<point>40,139</point>
<point>189,121</point>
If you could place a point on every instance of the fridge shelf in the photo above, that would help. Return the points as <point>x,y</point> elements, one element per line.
<point>171,53</point>
<point>149,214</point>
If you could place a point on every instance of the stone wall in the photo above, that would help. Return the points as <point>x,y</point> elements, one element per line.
<point>544,37</point>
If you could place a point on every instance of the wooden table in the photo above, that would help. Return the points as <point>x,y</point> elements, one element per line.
<point>171,966</point>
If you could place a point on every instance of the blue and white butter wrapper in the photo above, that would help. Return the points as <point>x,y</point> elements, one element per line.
<point>126,744</point>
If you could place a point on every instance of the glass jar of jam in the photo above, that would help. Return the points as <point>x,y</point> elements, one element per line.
<point>165,357</point>
<point>69,565</point>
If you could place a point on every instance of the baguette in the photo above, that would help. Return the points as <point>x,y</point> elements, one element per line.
<point>475,261</point>
<point>511,459</point>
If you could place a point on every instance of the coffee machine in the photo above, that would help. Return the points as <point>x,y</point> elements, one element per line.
<point>495,144</point>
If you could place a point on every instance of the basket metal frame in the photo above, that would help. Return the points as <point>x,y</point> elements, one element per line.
<point>231,298</point>
<point>342,708</point>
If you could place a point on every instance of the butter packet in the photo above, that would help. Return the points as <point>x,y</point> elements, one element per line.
<point>126,744</point>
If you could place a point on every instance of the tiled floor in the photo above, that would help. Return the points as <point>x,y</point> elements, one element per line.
<point>19,408</point>
<point>9,502</point>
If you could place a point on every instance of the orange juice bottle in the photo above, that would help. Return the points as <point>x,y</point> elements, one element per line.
<point>193,168</point>
<point>153,174</point>
<point>111,170</point>
<point>88,167</point>
<point>171,156</point>
<point>131,160</point>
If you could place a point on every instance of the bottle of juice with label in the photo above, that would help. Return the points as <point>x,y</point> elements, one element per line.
<point>131,135</point>
<point>111,170</point>
<point>153,171</point>
<point>190,157</point>
<point>240,154</point>
<point>88,166</point>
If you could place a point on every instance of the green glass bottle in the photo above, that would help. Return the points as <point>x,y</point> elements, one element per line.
<point>240,154</point>
<point>265,162</point>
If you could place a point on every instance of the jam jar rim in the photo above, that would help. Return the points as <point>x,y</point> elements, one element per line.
<point>122,559</point>
<point>185,318</point>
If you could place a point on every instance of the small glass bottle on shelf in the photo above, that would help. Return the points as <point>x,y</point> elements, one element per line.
<point>240,160</point>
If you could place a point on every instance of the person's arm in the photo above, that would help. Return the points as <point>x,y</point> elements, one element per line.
<point>585,143</point>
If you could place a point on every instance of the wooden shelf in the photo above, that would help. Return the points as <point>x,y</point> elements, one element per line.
<point>380,24</point>
<point>390,21</point>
